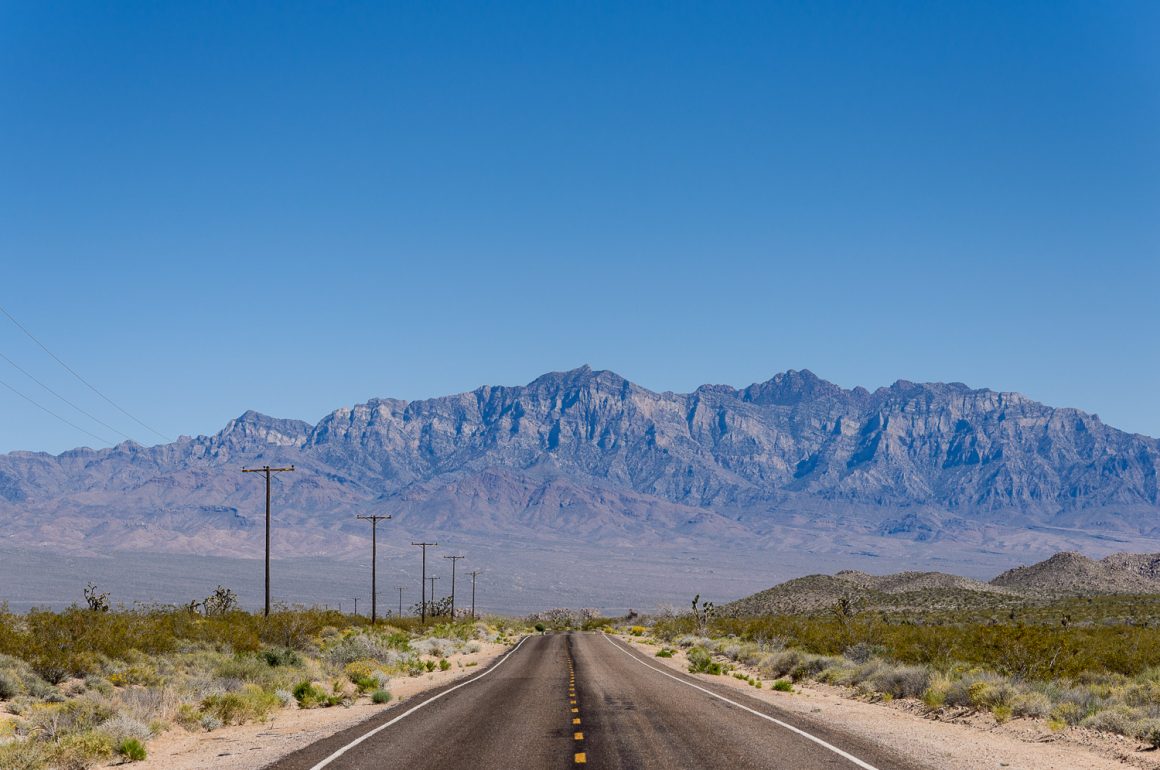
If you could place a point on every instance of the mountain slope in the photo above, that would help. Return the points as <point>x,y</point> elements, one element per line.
<point>589,453</point>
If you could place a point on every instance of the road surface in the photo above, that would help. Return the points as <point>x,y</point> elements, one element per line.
<point>578,699</point>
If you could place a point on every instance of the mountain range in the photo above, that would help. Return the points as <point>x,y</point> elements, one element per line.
<point>795,462</point>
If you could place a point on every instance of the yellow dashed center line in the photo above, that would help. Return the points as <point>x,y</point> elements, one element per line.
<point>580,757</point>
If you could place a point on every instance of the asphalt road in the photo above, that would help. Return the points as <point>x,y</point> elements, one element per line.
<point>567,700</point>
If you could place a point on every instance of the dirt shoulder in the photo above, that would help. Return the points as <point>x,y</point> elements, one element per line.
<point>947,738</point>
<point>244,747</point>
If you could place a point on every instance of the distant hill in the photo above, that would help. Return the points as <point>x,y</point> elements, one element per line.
<point>1073,574</point>
<point>1061,575</point>
<point>795,462</point>
<point>901,591</point>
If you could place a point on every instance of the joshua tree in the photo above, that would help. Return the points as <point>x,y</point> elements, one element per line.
<point>98,602</point>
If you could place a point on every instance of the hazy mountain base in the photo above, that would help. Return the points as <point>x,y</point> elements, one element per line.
<point>520,575</point>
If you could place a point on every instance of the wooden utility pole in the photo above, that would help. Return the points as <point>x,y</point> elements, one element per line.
<point>266,469</point>
<point>400,600</point>
<point>374,520</point>
<point>454,559</point>
<point>433,578</point>
<point>423,581</point>
<point>474,573</point>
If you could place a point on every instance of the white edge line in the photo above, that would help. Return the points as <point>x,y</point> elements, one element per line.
<point>777,722</point>
<point>412,710</point>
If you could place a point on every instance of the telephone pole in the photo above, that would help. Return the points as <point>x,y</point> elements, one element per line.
<point>474,573</point>
<point>433,578</point>
<point>454,559</point>
<point>266,469</point>
<point>423,581</point>
<point>400,600</point>
<point>374,520</point>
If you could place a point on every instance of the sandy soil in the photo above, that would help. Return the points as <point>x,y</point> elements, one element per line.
<point>250,746</point>
<point>954,738</point>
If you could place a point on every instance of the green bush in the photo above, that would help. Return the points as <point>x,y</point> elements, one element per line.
<point>665,652</point>
<point>251,703</point>
<point>381,696</point>
<point>281,657</point>
<point>701,662</point>
<point>131,749</point>
<point>444,664</point>
<point>783,685</point>
<point>309,695</point>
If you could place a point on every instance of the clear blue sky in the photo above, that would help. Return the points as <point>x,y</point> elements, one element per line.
<point>210,207</point>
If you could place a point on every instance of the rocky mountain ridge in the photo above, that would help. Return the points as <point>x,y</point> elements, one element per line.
<point>588,452</point>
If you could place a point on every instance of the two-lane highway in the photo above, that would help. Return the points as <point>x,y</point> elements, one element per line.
<point>571,700</point>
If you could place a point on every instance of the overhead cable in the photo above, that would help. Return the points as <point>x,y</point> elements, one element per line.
<point>54,414</point>
<point>74,373</point>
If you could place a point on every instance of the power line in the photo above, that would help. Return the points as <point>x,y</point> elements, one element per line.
<point>54,414</point>
<point>74,373</point>
<point>62,398</point>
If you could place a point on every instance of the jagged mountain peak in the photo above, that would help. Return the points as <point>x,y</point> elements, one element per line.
<point>581,377</point>
<point>790,388</point>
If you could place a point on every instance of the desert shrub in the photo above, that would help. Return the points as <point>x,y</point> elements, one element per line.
<point>252,703</point>
<point>1120,719</point>
<point>980,690</point>
<point>863,651</point>
<point>9,685</point>
<point>637,630</point>
<point>472,646</point>
<point>51,721</point>
<point>780,663</point>
<point>1031,704</point>
<point>276,657</point>
<point>665,652</point>
<point>809,666</point>
<point>1068,713</point>
<point>358,646</point>
<point>902,681</point>
<point>310,695</point>
<point>80,750</point>
<point>122,726</point>
<point>380,697</point>
<point>783,685</point>
<point>701,662</point>
<point>363,671</point>
<point>1148,730</point>
<point>131,749</point>
<point>23,755</point>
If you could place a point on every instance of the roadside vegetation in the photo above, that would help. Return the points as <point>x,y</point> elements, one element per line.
<point>1090,661</point>
<point>94,685</point>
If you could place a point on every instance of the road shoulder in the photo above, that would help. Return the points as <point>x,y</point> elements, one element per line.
<point>970,744</point>
<point>249,746</point>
